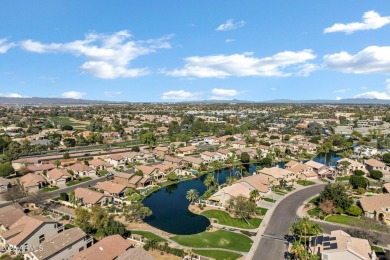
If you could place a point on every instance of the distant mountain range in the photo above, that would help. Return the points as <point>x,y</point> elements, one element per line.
<point>34,101</point>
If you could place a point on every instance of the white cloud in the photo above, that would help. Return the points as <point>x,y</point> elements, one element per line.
<point>230,25</point>
<point>373,59</point>
<point>12,95</point>
<point>376,94</point>
<point>4,46</point>
<point>241,65</point>
<point>229,40</point>
<point>112,93</point>
<point>306,69</point>
<point>108,55</point>
<point>73,94</point>
<point>220,93</point>
<point>343,90</point>
<point>339,98</point>
<point>180,95</point>
<point>274,89</point>
<point>371,20</point>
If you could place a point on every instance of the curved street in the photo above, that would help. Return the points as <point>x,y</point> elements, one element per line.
<point>272,244</point>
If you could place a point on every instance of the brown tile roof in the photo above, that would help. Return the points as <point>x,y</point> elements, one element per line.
<point>80,167</point>
<point>4,181</point>
<point>276,172</point>
<point>374,163</point>
<point>98,162</point>
<point>376,202</point>
<point>187,149</point>
<point>10,214</point>
<point>145,169</point>
<point>192,159</point>
<point>115,157</point>
<point>41,167</point>
<point>110,187</point>
<point>173,159</point>
<point>30,180</point>
<point>136,253</point>
<point>223,151</point>
<point>257,181</point>
<point>88,196</point>
<point>23,228</point>
<point>59,242</point>
<point>57,174</point>
<point>108,248</point>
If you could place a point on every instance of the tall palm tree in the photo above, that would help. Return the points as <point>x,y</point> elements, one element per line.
<point>316,229</point>
<point>192,195</point>
<point>254,195</point>
<point>345,165</point>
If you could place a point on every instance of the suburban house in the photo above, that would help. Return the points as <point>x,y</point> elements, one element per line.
<point>340,245</point>
<point>64,245</point>
<point>150,172</point>
<point>237,144</point>
<point>275,174</point>
<point>212,140</point>
<point>194,161</point>
<point>179,161</point>
<point>365,151</point>
<point>222,196</point>
<point>82,170</point>
<point>130,179</point>
<point>30,231</point>
<point>117,160</point>
<point>321,170</point>
<point>223,154</point>
<point>208,156</point>
<point>350,166</point>
<point>301,170</point>
<point>89,197</point>
<point>114,247</point>
<point>9,215</point>
<point>377,207</point>
<point>111,188</point>
<point>32,182</point>
<point>40,168</point>
<point>161,151</point>
<point>58,177</point>
<point>258,182</point>
<point>98,164</point>
<point>372,164</point>
<point>183,151</point>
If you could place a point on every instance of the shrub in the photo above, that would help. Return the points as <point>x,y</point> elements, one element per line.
<point>358,182</point>
<point>375,174</point>
<point>359,172</point>
<point>354,210</point>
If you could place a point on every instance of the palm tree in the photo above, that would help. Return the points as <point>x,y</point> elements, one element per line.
<point>192,195</point>
<point>325,148</point>
<point>209,181</point>
<point>254,195</point>
<point>345,165</point>
<point>316,229</point>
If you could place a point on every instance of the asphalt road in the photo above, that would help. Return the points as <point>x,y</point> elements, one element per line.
<point>273,244</point>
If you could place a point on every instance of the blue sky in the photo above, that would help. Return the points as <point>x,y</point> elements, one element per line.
<point>178,50</point>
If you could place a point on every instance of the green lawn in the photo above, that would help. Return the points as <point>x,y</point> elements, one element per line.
<point>343,178</point>
<point>341,219</point>
<point>67,121</point>
<point>217,254</point>
<point>47,189</point>
<point>225,219</point>
<point>314,212</point>
<point>74,182</point>
<point>305,182</point>
<point>269,200</point>
<point>69,226</point>
<point>217,239</point>
<point>149,235</point>
<point>261,211</point>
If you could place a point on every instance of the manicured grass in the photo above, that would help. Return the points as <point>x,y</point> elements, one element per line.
<point>305,182</point>
<point>315,200</point>
<point>225,219</point>
<point>67,121</point>
<point>217,254</point>
<point>377,249</point>
<point>149,235</point>
<point>343,178</point>
<point>217,239</point>
<point>47,189</point>
<point>261,211</point>
<point>341,219</point>
<point>74,182</point>
<point>269,200</point>
<point>314,212</point>
<point>69,226</point>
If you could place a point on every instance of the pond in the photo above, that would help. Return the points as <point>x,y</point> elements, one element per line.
<point>331,158</point>
<point>170,206</point>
